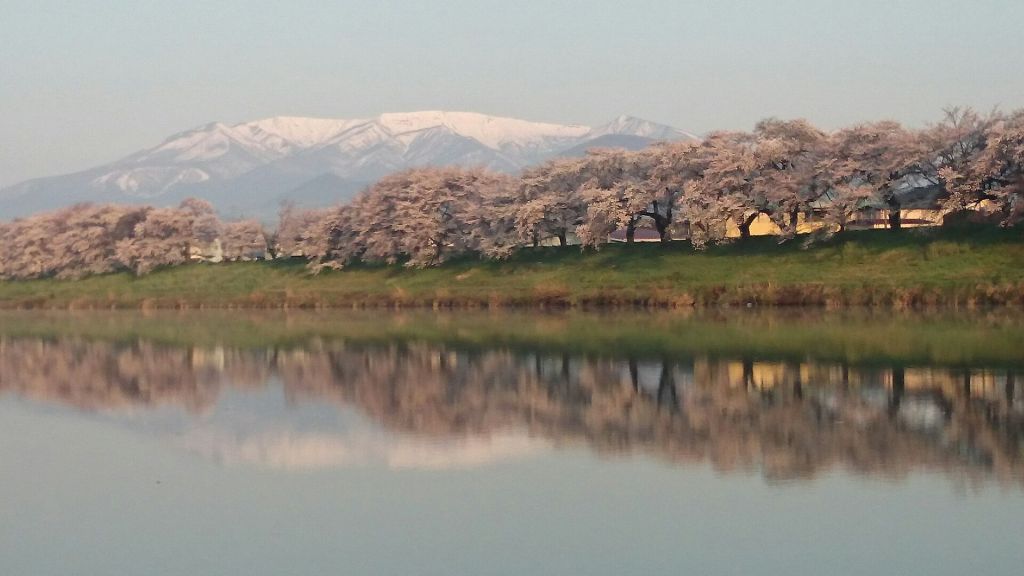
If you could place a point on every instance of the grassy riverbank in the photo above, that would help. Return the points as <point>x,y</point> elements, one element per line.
<point>878,268</point>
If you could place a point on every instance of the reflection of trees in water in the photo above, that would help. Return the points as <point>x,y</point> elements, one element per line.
<point>791,420</point>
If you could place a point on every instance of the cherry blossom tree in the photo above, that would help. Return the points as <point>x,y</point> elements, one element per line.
<point>163,238</point>
<point>985,162</point>
<point>87,244</point>
<point>720,190</point>
<point>613,194</point>
<point>68,243</point>
<point>726,183</point>
<point>27,247</point>
<point>426,215</point>
<point>168,236</point>
<point>548,202</point>
<point>243,240</point>
<point>881,156</point>
<point>842,203</point>
<point>952,144</point>
<point>669,167</point>
<point>788,153</point>
<point>336,241</point>
<point>204,225</point>
<point>298,230</point>
<point>493,219</point>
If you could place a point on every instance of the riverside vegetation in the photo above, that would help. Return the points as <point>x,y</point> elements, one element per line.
<point>912,268</point>
<point>470,237</point>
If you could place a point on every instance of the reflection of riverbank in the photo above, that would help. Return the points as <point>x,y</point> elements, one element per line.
<point>933,338</point>
<point>787,419</point>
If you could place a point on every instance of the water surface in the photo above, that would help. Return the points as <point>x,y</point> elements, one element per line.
<point>746,442</point>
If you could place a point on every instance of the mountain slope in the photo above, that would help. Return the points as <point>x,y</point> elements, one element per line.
<point>249,167</point>
<point>632,126</point>
<point>623,141</point>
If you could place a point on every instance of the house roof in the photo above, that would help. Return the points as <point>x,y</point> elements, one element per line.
<point>912,198</point>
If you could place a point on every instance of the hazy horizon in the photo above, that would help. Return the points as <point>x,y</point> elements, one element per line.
<point>86,83</point>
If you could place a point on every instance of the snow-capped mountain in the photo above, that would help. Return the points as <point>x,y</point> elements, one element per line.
<point>249,168</point>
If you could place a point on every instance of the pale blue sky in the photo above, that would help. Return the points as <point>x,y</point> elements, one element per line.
<point>85,82</point>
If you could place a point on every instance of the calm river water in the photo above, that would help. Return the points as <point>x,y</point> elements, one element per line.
<point>790,443</point>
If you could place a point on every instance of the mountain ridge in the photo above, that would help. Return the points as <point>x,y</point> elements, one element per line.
<point>249,167</point>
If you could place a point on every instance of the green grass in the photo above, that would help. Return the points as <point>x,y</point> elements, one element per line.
<point>909,268</point>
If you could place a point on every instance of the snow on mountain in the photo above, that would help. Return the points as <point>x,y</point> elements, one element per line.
<point>288,133</point>
<point>632,126</point>
<point>249,167</point>
<point>491,131</point>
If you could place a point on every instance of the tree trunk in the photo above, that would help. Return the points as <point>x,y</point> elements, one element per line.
<point>536,240</point>
<point>899,386</point>
<point>631,231</point>
<point>666,222</point>
<point>798,383</point>
<point>745,225</point>
<point>895,215</point>
<point>667,393</point>
<point>662,227</point>
<point>794,219</point>
<point>561,239</point>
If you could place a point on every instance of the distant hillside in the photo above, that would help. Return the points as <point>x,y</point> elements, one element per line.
<point>624,141</point>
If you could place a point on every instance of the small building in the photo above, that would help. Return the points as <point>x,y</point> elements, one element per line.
<point>640,235</point>
<point>207,251</point>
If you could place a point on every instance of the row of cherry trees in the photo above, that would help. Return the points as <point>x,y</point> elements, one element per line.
<point>688,190</point>
<point>681,189</point>
<point>95,239</point>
